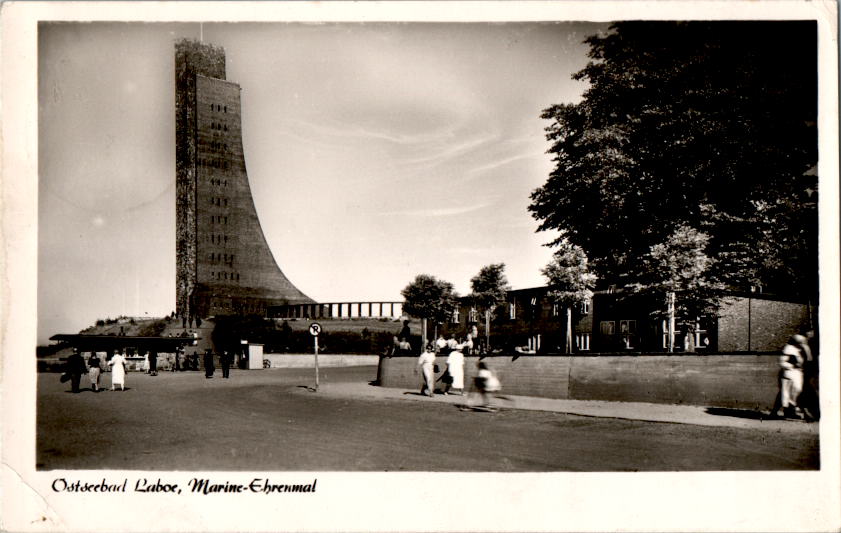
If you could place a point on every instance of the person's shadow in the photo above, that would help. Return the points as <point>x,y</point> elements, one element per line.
<point>749,414</point>
<point>101,389</point>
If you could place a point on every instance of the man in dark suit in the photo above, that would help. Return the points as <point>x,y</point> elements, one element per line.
<point>75,368</point>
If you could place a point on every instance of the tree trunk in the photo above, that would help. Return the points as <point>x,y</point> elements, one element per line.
<point>487,330</point>
<point>569,330</point>
<point>671,313</point>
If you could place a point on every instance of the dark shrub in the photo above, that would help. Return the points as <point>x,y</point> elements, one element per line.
<point>153,329</point>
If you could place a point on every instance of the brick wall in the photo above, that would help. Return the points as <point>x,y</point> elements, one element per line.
<point>759,324</point>
<point>722,380</point>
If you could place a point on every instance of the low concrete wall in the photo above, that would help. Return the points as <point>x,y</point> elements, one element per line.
<point>743,381</point>
<point>291,360</point>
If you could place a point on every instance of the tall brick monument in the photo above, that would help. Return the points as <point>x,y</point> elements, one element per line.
<point>223,263</point>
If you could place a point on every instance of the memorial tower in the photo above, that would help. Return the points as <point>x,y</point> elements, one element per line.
<point>223,264</point>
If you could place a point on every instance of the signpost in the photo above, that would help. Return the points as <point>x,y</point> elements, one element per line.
<point>315,329</point>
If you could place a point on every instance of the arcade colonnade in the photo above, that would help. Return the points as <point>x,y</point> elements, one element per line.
<point>390,310</point>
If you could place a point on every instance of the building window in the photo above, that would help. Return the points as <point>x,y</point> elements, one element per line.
<point>585,307</point>
<point>226,109</point>
<point>512,311</point>
<point>607,327</point>
<point>473,315</point>
<point>555,309</point>
<point>454,317</point>
<point>582,341</point>
<point>628,330</point>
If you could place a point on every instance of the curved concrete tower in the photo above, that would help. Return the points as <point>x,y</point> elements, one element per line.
<point>223,263</point>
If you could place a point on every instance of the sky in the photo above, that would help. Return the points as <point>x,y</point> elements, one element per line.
<point>375,152</point>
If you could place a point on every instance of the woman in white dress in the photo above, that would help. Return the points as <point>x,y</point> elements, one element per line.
<point>426,362</point>
<point>118,372</point>
<point>455,370</point>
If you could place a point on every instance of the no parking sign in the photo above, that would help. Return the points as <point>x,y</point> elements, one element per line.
<point>315,329</point>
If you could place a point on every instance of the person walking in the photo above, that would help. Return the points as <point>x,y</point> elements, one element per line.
<point>790,379</point>
<point>94,371</point>
<point>153,363</point>
<point>225,359</point>
<point>455,372</point>
<point>809,400</point>
<point>75,368</point>
<point>209,367</point>
<point>485,382</point>
<point>118,371</point>
<point>426,362</point>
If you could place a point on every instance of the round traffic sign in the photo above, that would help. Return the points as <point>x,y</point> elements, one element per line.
<point>315,329</point>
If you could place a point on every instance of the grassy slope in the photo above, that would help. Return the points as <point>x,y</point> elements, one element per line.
<point>355,325</point>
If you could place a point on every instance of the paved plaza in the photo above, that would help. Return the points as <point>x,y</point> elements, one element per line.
<point>272,420</point>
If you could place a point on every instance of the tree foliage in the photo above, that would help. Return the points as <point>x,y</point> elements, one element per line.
<point>706,125</point>
<point>568,275</point>
<point>428,297</point>
<point>680,265</point>
<point>489,287</point>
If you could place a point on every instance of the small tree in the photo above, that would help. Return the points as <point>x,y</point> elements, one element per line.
<point>428,298</point>
<point>570,282</point>
<point>488,290</point>
<point>680,265</point>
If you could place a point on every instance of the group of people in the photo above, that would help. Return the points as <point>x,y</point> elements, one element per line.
<point>226,359</point>
<point>76,367</point>
<point>452,377</point>
<point>798,395</point>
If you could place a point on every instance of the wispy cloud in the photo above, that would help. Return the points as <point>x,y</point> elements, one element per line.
<point>342,132</point>
<point>450,148</point>
<point>436,211</point>
<point>500,163</point>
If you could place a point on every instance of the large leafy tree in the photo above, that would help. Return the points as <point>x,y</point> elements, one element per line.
<point>429,298</point>
<point>706,125</point>
<point>488,291</point>
<point>570,281</point>
<point>681,266</point>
